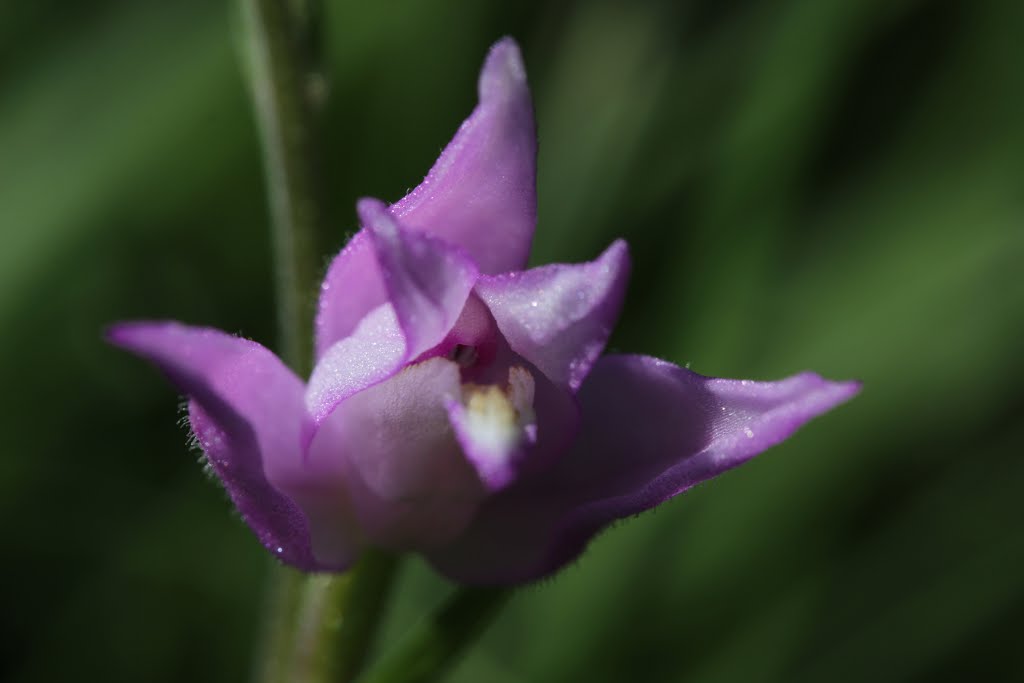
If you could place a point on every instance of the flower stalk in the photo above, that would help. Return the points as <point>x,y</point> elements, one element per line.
<point>339,619</point>
<point>281,55</point>
<point>351,638</point>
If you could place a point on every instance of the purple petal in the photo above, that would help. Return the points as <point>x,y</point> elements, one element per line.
<point>480,195</point>
<point>651,430</point>
<point>428,283</point>
<point>481,192</point>
<point>352,288</point>
<point>372,353</point>
<point>247,414</point>
<point>427,280</point>
<point>393,448</point>
<point>559,317</point>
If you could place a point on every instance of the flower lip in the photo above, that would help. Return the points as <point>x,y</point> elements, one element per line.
<point>496,425</point>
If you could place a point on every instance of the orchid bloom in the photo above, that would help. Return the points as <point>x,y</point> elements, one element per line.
<point>460,406</point>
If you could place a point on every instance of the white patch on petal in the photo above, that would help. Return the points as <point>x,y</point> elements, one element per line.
<point>496,417</point>
<point>520,394</point>
<point>490,418</point>
<point>493,422</point>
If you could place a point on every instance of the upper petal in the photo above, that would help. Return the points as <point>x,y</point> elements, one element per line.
<point>481,192</point>
<point>650,431</point>
<point>480,195</point>
<point>247,414</point>
<point>427,283</point>
<point>352,288</point>
<point>427,280</point>
<point>559,316</point>
<point>373,352</point>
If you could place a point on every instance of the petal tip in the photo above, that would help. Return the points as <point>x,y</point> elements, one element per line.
<point>372,212</point>
<point>118,334</point>
<point>815,396</point>
<point>503,69</point>
<point>616,255</point>
<point>847,389</point>
<point>840,390</point>
<point>136,335</point>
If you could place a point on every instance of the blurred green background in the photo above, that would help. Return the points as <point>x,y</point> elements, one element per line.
<point>834,185</point>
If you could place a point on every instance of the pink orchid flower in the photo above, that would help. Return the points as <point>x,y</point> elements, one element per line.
<point>460,406</point>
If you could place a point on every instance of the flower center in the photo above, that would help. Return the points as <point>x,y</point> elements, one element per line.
<point>463,355</point>
<point>498,416</point>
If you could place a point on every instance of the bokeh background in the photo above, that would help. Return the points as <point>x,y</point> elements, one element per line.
<point>834,185</point>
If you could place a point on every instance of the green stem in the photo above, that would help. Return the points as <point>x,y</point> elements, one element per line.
<point>438,642</point>
<point>281,48</point>
<point>340,618</point>
<point>274,656</point>
<point>335,618</point>
<point>371,587</point>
